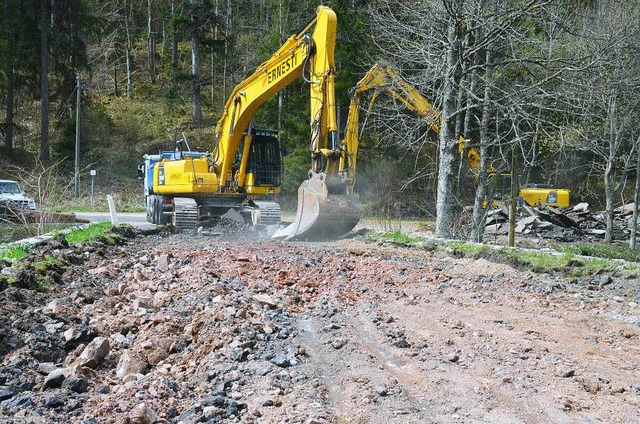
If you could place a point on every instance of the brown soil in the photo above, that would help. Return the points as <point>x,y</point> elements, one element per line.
<point>237,330</point>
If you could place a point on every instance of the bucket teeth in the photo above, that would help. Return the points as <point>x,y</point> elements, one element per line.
<point>321,216</point>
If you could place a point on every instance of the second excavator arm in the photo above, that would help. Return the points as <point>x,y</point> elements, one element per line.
<point>383,78</point>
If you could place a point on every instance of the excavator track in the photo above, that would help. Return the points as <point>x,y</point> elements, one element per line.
<point>267,213</point>
<point>185,215</point>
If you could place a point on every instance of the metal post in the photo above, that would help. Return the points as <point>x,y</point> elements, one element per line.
<point>93,177</point>
<point>77,162</point>
<point>112,210</point>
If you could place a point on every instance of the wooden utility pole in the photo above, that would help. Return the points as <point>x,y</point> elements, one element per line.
<point>77,162</point>
<point>151,42</point>
<point>514,200</point>
<point>636,196</point>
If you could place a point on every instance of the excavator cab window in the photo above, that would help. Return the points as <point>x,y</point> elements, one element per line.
<point>265,158</point>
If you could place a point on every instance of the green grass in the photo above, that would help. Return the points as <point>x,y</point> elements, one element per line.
<point>394,237</point>
<point>48,262</point>
<point>14,253</point>
<point>92,232</point>
<point>466,248</point>
<point>541,260</point>
<point>426,226</point>
<point>566,263</point>
<point>601,250</point>
<point>567,260</point>
<point>126,200</point>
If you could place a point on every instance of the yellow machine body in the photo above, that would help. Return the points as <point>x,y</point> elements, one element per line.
<point>227,173</point>
<point>184,177</point>
<point>540,196</point>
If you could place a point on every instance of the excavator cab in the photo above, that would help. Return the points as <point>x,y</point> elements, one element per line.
<point>264,161</point>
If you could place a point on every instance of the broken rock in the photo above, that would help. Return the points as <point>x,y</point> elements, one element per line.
<point>139,274</point>
<point>142,414</point>
<point>55,378</point>
<point>131,363</point>
<point>163,262</point>
<point>565,372</point>
<point>265,299</point>
<point>94,353</point>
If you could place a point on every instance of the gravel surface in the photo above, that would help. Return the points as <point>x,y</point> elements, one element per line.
<point>222,327</point>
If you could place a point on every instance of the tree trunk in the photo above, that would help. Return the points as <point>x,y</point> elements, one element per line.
<point>174,41</point>
<point>636,196</point>
<point>226,52</point>
<point>281,92</point>
<point>447,143</point>
<point>44,80</point>
<point>10,71</point>
<point>115,81</point>
<point>151,42</point>
<point>608,195</point>
<point>466,129</point>
<point>128,48</point>
<point>213,55</point>
<point>478,216</point>
<point>195,73</point>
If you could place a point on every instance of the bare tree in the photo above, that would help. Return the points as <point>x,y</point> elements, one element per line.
<point>196,77</point>
<point>440,42</point>
<point>44,78</point>
<point>479,209</point>
<point>607,95</point>
<point>447,150</point>
<point>10,74</point>
<point>128,46</point>
<point>636,198</point>
<point>151,42</point>
<point>174,40</point>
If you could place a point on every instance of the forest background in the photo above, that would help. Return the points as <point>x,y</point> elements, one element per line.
<point>553,85</point>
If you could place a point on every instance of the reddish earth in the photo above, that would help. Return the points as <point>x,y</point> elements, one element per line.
<point>215,329</point>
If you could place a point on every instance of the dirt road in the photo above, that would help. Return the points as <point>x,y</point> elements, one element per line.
<point>192,328</point>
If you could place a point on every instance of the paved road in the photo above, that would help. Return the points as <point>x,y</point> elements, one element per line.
<point>138,220</point>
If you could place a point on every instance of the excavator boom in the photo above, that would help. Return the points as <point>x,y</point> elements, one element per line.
<point>384,78</point>
<point>327,206</point>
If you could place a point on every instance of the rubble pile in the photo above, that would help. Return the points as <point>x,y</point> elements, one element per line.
<point>189,328</point>
<point>162,336</point>
<point>572,224</point>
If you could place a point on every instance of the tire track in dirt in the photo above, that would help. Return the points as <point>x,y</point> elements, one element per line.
<point>526,345</point>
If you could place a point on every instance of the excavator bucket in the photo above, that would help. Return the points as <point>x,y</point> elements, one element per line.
<point>321,216</point>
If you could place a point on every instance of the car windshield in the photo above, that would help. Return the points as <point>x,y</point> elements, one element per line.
<point>9,187</point>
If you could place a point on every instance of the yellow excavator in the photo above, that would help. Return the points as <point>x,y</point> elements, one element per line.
<point>384,78</point>
<point>245,166</point>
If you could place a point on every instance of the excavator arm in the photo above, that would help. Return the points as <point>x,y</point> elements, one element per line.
<point>207,187</point>
<point>303,53</point>
<point>383,78</point>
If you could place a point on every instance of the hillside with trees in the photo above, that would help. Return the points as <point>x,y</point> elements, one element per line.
<point>548,89</point>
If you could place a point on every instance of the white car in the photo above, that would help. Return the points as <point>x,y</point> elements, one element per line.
<point>13,197</point>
